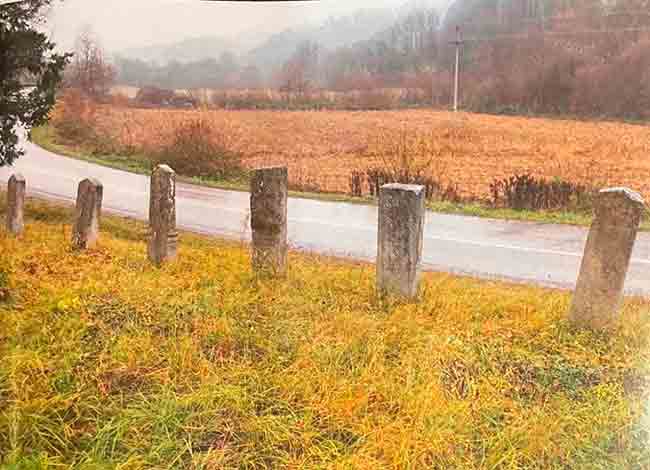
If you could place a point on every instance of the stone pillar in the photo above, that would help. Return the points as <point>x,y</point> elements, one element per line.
<point>89,206</point>
<point>269,191</point>
<point>163,241</point>
<point>401,233</point>
<point>16,204</point>
<point>599,290</point>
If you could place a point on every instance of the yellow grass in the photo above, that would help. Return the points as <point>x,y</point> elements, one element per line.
<point>108,362</point>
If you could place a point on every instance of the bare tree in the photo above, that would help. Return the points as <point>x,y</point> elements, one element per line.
<point>90,71</point>
<point>300,71</point>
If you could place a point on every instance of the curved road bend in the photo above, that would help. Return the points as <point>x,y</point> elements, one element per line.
<point>541,254</point>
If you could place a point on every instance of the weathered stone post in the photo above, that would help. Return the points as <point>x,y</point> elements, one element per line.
<point>163,241</point>
<point>269,190</point>
<point>401,232</point>
<point>16,204</point>
<point>599,290</point>
<point>89,207</point>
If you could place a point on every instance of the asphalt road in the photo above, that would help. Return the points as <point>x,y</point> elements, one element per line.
<point>541,254</point>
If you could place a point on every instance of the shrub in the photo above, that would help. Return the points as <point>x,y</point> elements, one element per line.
<point>434,189</point>
<point>409,157</point>
<point>525,192</point>
<point>75,117</point>
<point>356,184</point>
<point>195,148</point>
<point>304,182</point>
<point>377,177</point>
<point>413,157</point>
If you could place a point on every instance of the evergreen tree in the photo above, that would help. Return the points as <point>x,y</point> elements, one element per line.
<point>26,55</point>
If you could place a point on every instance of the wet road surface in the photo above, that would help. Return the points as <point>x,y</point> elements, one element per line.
<point>542,254</point>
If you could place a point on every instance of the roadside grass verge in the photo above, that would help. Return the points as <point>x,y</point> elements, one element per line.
<point>45,137</point>
<point>106,361</point>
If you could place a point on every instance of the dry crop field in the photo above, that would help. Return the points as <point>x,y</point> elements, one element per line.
<point>468,151</point>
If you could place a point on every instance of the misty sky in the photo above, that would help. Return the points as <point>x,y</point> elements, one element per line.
<point>122,24</point>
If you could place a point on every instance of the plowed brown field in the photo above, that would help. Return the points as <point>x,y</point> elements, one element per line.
<point>471,151</point>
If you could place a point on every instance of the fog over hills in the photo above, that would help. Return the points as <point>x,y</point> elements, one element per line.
<point>333,33</point>
<point>194,49</point>
<point>189,30</point>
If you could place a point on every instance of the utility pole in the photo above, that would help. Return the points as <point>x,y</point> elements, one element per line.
<point>433,83</point>
<point>436,37</point>
<point>458,43</point>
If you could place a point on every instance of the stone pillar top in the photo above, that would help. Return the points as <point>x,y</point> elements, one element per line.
<point>627,193</point>
<point>279,169</point>
<point>93,181</point>
<point>268,172</point>
<point>415,188</point>
<point>17,177</point>
<point>164,168</point>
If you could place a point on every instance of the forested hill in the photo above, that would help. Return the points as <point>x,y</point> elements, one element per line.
<point>332,34</point>
<point>346,42</point>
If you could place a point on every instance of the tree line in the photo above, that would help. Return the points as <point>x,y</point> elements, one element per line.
<point>572,56</point>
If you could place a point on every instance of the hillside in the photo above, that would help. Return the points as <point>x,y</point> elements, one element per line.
<point>349,43</point>
<point>189,50</point>
<point>392,26</point>
<point>268,50</point>
<point>194,49</point>
<point>334,33</point>
<point>108,362</point>
<point>264,49</point>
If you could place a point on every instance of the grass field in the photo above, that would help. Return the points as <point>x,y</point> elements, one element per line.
<point>469,151</point>
<point>108,362</point>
